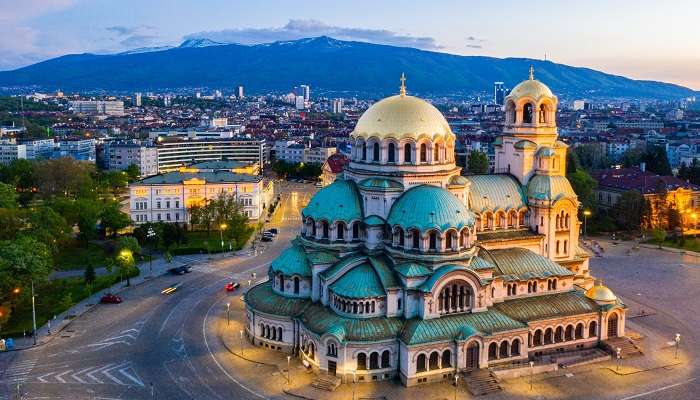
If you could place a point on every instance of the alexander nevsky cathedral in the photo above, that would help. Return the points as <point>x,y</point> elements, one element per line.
<point>405,268</point>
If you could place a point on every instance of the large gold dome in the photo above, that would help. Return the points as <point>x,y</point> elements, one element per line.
<point>601,294</point>
<point>402,116</point>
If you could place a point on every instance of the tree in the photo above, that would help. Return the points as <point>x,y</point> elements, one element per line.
<point>22,260</point>
<point>87,214</point>
<point>478,162</point>
<point>133,172</point>
<point>656,160</point>
<point>48,227</point>
<point>65,177</point>
<point>172,234</point>
<point>89,274</point>
<point>8,196</point>
<point>572,162</point>
<point>11,222</point>
<point>22,174</point>
<point>113,181</point>
<point>113,219</point>
<point>583,185</point>
<point>127,247</point>
<point>628,210</point>
<point>591,157</point>
<point>659,236</point>
<point>632,157</point>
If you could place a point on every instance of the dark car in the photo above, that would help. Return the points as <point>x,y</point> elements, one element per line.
<point>177,270</point>
<point>266,239</point>
<point>186,269</point>
<point>273,230</point>
<point>110,298</point>
<point>231,286</point>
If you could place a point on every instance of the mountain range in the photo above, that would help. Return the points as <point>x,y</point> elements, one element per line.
<point>322,62</point>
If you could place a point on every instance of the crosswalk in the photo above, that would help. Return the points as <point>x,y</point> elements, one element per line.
<point>122,374</point>
<point>125,337</point>
<point>18,372</point>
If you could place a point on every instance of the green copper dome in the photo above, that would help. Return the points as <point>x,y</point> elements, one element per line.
<point>549,187</point>
<point>359,283</point>
<point>292,261</point>
<point>380,185</point>
<point>429,207</point>
<point>338,201</point>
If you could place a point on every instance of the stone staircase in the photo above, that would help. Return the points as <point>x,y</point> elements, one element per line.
<point>628,347</point>
<point>326,382</point>
<point>481,382</point>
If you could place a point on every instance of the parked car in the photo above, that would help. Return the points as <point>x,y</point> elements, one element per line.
<point>180,270</point>
<point>231,286</point>
<point>269,233</point>
<point>273,230</point>
<point>110,298</point>
<point>266,238</point>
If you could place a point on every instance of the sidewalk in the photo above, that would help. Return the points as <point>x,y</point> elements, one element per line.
<point>63,320</point>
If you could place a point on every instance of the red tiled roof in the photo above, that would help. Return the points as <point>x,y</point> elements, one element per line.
<point>644,182</point>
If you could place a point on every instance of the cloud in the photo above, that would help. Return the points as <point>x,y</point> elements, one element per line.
<point>303,28</point>
<point>130,37</point>
<point>21,10</point>
<point>473,40</point>
<point>475,46</point>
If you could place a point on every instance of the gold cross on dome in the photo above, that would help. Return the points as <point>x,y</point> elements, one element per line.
<point>403,84</point>
<point>532,72</point>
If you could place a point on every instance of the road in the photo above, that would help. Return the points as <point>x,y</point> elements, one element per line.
<point>152,345</point>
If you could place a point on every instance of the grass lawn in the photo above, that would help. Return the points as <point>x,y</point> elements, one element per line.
<point>691,243</point>
<point>52,298</point>
<point>199,241</point>
<point>78,256</point>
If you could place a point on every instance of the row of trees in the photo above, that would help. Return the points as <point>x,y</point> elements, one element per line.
<point>284,169</point>
<point>225,214</point>
<point>690,173</point>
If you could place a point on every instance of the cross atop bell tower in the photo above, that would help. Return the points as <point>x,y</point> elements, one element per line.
<point>402,90</point>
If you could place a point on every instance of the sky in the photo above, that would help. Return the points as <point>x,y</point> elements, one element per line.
<point>642,39</point>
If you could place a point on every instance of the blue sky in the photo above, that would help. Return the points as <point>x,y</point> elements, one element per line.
<point>641,39</point>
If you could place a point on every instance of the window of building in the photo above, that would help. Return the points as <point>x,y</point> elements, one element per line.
<point>407,153</point>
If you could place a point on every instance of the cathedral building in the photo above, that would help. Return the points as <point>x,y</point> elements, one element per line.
<point>405,268</point>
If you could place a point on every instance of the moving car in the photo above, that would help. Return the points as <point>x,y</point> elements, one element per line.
<point>231,286</point>
<point>171,289</point>
<point>266,238</point>
<point>273,230</point>
<point>180,270</point>
<point>110,298</point>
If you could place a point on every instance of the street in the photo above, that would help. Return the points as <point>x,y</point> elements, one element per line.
<point>152,345</point>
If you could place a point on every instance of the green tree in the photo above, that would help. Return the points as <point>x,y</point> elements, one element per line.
<point>133,172</point>
<point>8,196</point>
<point>656,160</point>
<point>591,157</point>
<point>89,274</point>
<point>22,174</point>
<point>172,234</point>
<point>478,162</point>
<point>628,210</point>
<point>49,227</point>
<point>127,247</point>
<point>659,236</point>
<point>22,260</point>
<point>583,184</point>
<point>11,222</point>
<point>87,214</point>
<point>632,157</point>
<point>66,177</point>
<point>113,219</point>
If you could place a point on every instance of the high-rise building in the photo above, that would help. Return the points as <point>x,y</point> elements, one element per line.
<point>303,91</point>
<point>499,93</point>
<point>120,155</point>
<point>174,153</point>
<point>11,151</point>
<point>137,99</point>
<point>337,106</point>
<point>239,92</point>
<point>299,102</point>
<point>98,107</point>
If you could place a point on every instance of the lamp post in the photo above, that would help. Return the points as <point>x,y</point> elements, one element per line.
<point>677,339</point>
<point>532,372</point>
<point>33,313</point>
<point>586,214</point>
<point>619,356</point>
<point>456,379</point>
<point>289,376</point>
<point>354,373</point>
<point>228,314</point>
<point>150,235</point>
<point>221,234</point>
<point>241,332</point>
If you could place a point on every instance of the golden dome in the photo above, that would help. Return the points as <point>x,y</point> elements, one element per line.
<point>601,293</point>
<point>402,116</point>
<point>531,88</point>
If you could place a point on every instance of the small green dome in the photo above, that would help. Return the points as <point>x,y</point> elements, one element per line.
<point>292,261</point>
<point>338,201</point>
<point>359,283</point>
<point>545,152</point>
<point>429,207</point>
<point>458,180</point>
<point>380,185</point>
<point>525,144</point>
<point>549,187</point>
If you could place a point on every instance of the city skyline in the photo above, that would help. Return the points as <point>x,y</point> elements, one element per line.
<point>45,29</point>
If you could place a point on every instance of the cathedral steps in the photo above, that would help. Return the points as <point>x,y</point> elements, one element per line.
<point>628,348</point>
<point>481,382</point>
<point>326,382</point>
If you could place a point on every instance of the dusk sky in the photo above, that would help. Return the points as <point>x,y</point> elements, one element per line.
<point>640,39</point>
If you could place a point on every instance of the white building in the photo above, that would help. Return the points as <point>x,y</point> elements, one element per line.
<point>79,149</point>
<point>167,197</point>
<point>120,155</point>
<point>137,99</point>
<point>177,152</point>
<point>38,149</point>
<point>295,153</point>
<point>105,107</point>
<point>239,92</point>
<point>337,106</point>
<point>11,151</point>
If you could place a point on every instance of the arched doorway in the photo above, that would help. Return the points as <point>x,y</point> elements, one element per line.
<point>612,325</point>
<point>472,356</point>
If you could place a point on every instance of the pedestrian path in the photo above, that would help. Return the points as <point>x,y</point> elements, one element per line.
<point>17,372</point>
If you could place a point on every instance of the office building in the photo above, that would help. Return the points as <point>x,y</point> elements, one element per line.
<point>121,154</point>
<point>10,151</point>
<point>239,92</point>
<point>79,149</point>
<point>499,93</point>
<point>98,107</point>
<point>174,153</point>
<point>137,99</point>
<point>337,106</point>
<point>39,149</point>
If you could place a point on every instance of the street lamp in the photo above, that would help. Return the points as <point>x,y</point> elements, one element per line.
<point>228,313</point>
<point>677,339</point>
<point>586,214</point>
<point>619,356</point>
<point>354,373</point>
<point>241,332</point>
<point>456,379</point>
<point>150,235</point>
<point>289,376</point>
<point>126,257</point>
<point>532,372</point>
<point>221,234</point>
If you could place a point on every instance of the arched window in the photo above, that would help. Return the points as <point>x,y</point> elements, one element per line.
<point>433,361</point>
<point>324,229</point>
<point>332,350</point>
<point>612,325</point>
<point>569,333</point>
<point>415,238</point>
<point>548,336</point>
<point>566,247</point>
<point>493,351</point>
<point>356,230</point>
<point>361,362</point>
<point>423,153</point>
<point>374,360</point>
<point>281,283</point>
<point>448,241</point>
<point>420,363</point>
<point>407,153</point>
<point>454,298</point>
<point>527,113</point>
<point>542,114</point>
<point>503,352</point>
<point>313,227</point>
<point>557,247</point>
<point>386,359</point>
<point>515,348</point>
<point>559,334</point>
<point>537,338</point>
<point>340,231</point>
<point>364,151</point>
<point>391,157</point>
<point>436,155</point>
<point>510,112</point>
<point>375,152</point>
<point>593,329</point>
<point>578,333</point>
<point>433,241</point>
<point>296,285</point>
<point>399,237</point>
<point>446,359</point>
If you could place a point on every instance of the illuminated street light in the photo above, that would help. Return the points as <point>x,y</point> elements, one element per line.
<point>456,379</point>
<point>241,331</point>
<point>289,376</point>
<point>619,356</point>
<point>16,290</point>
<point>221,234</point>
<point>354,373</point>
<point>228,313</point>
<point>677,339</point>
<point>532,372</point>
<point>586,214</point>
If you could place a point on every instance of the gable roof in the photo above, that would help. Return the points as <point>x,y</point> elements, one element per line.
<point>495,192</point>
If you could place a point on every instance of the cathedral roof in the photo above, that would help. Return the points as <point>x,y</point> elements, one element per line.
<point>413,270</point>
<point>495,192</point>
<point>530,88</point>
<point>263,299</point>
<point>549,187</point>
<point>418,331</point>
<point>429,207</point>
<point>380,185</point>
<point>359,283</point>
<point>516,263</point>
<point>338,201</point>
<point>292,261</point>
<point>547,306</point>
<point>401,117</point>
<point>322,320</point>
